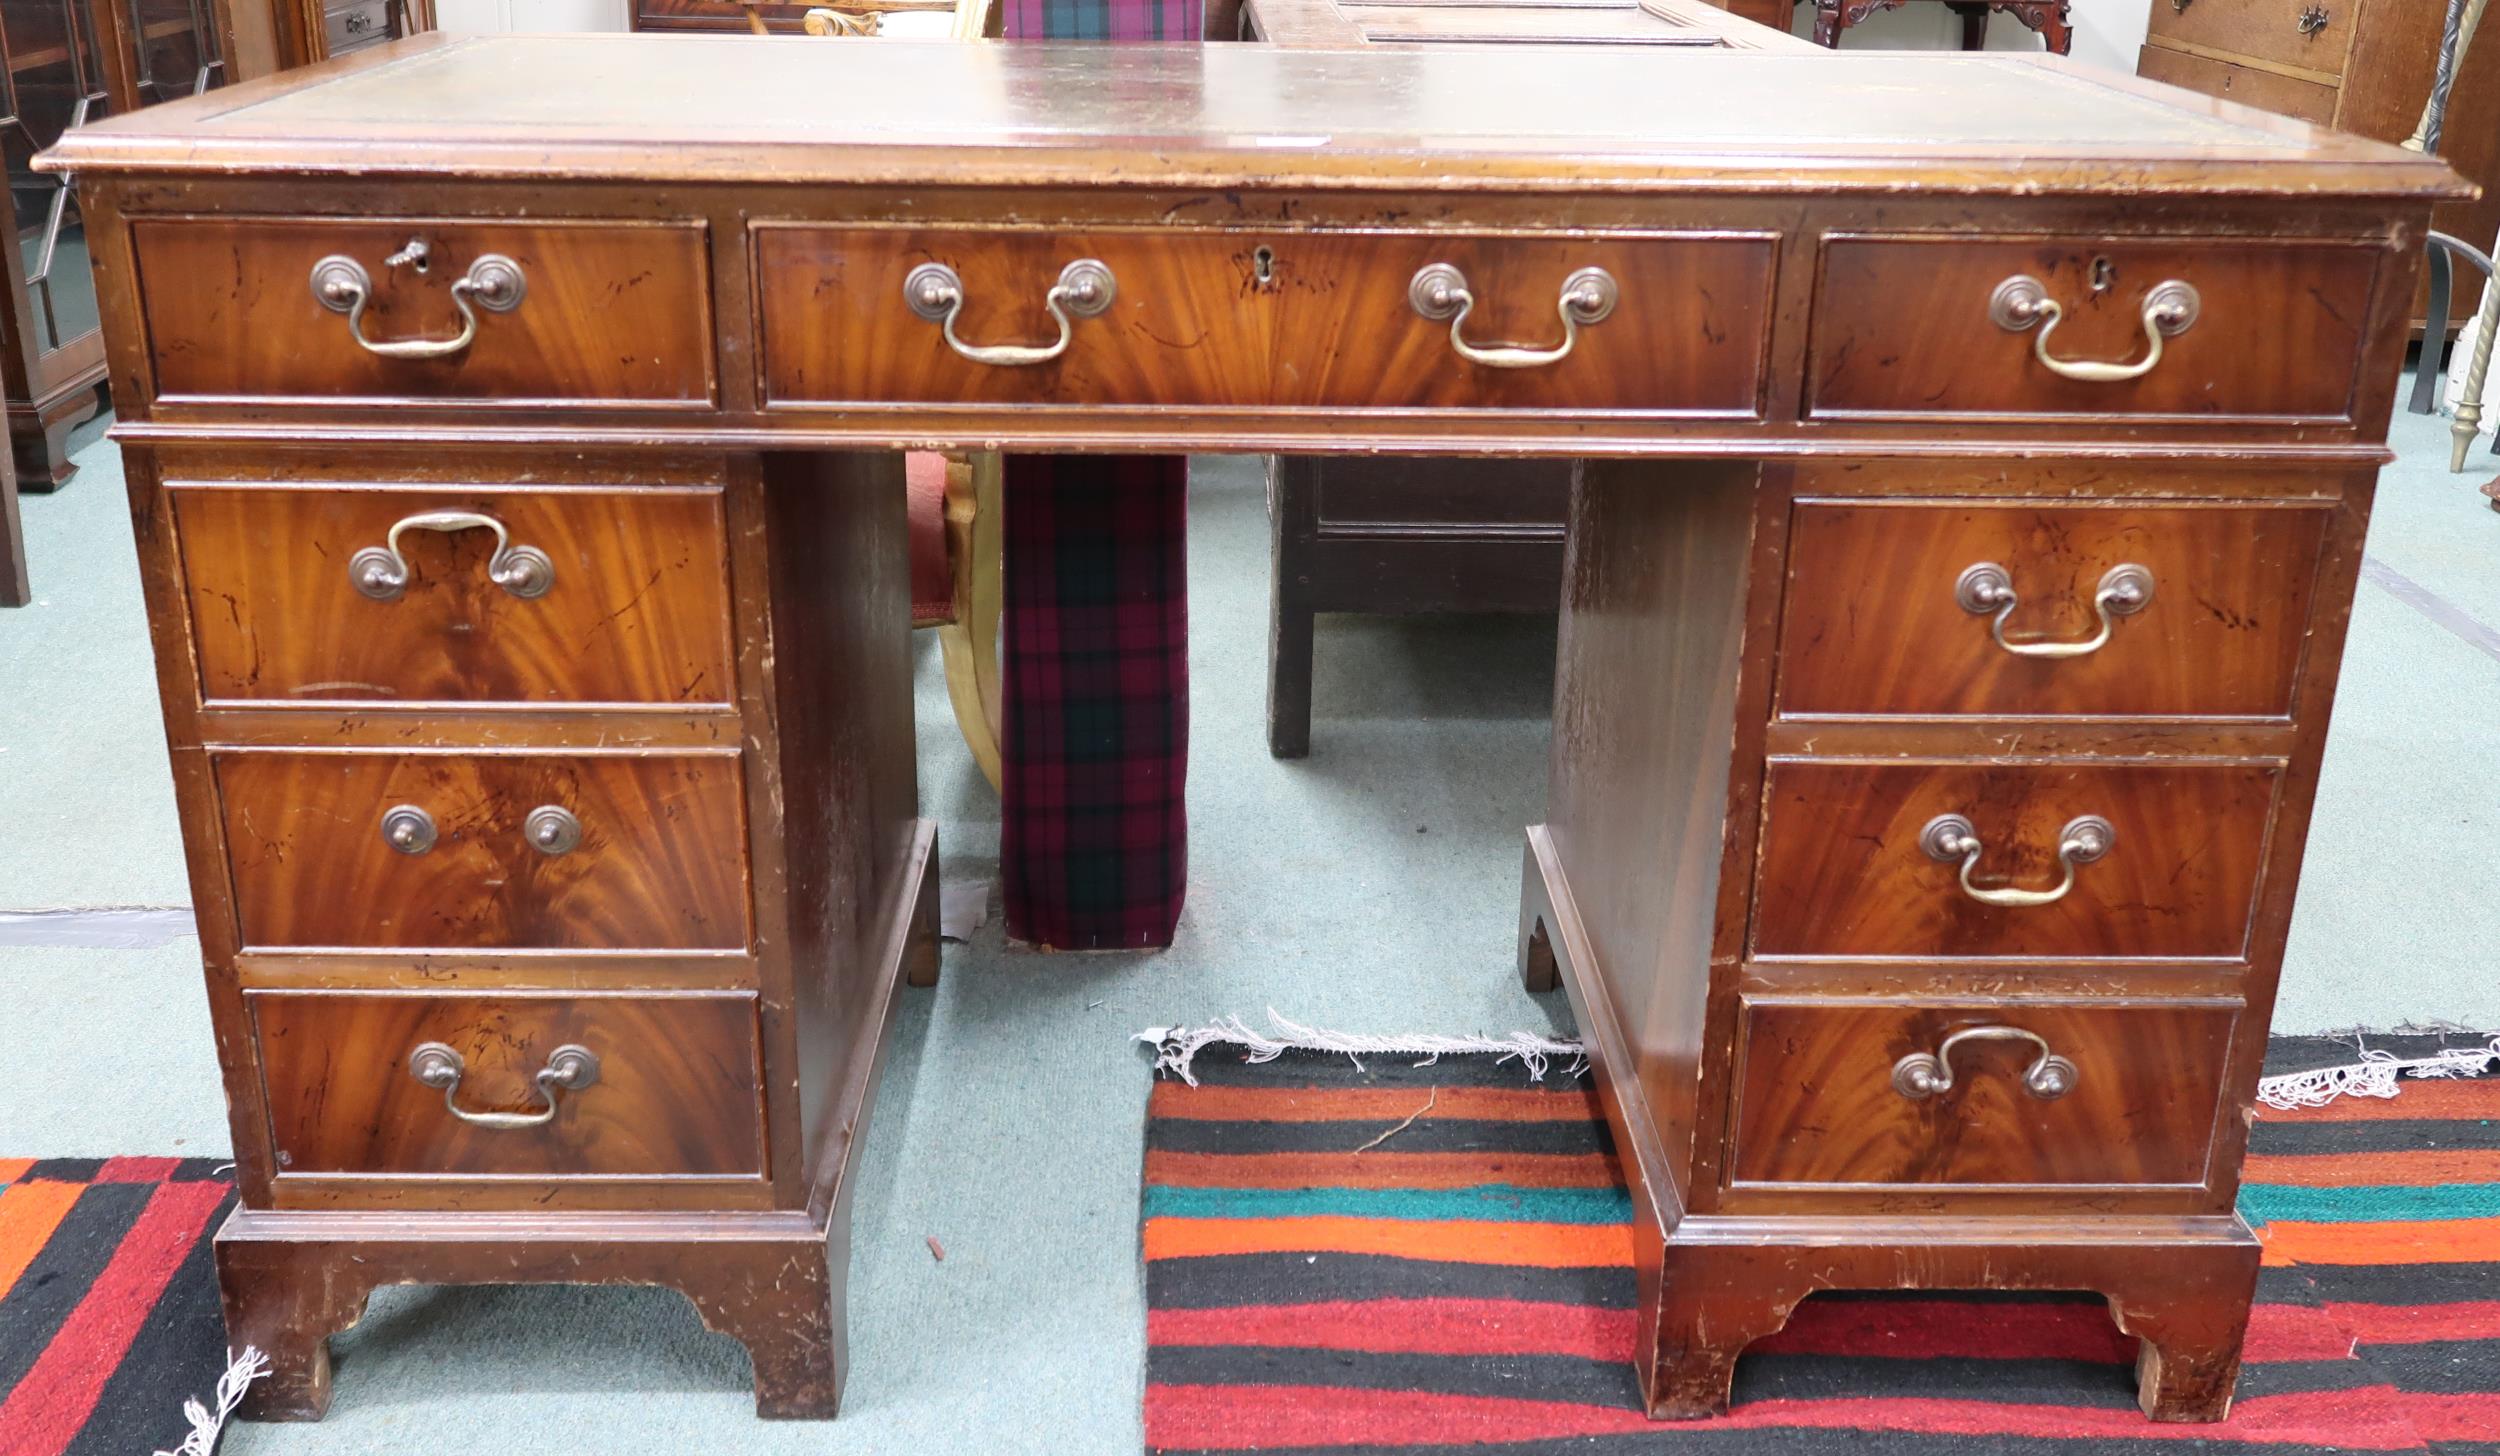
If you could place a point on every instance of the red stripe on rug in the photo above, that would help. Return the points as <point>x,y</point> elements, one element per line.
<point>137,1170</point>
<point>1241,1418</point>
<point>1368,1104</point>
<point>1381,1168</point>
<point>2468,1416</point>
<point>53,1401</point>
<point>1948,1329</point>
<point>2414,1324</point>
<point>1406,1326</point>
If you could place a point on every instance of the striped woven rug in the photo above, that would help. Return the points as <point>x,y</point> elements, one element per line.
<point>1324,1273</point>
<point>108,1302</point>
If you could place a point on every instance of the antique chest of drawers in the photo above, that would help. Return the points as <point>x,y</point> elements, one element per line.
<point>1962,536</point>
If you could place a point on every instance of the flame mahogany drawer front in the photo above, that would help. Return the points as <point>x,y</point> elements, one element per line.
<point>1944,608</point>
<point>2055,860</point>
<point>2025,1093</point>
<point>316,310</point>
<point>1664,323</point>
<point>457,593</point>
<point>533,1085</point>
<point>1936,328</point>
<point>534,851</point>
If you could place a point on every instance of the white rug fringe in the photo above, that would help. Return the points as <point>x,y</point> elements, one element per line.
<point>2375,1075</point>
<point>241,1371</point>
<point>1177,1046</point>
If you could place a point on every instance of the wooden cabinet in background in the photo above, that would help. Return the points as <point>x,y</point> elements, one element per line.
<point>67,63</point>
<point>2362,66</point>
<point>278,35</point>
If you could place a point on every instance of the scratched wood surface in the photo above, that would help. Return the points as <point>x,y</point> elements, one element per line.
<point>676,1091</point>
<point>1816,1101</point>
<point>639,612</point>
<point>1872,626</point>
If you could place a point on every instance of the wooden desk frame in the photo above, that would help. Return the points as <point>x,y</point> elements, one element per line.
<point>1648,890</point>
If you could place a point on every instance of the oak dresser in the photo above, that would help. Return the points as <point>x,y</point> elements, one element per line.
<point>1961,544</point>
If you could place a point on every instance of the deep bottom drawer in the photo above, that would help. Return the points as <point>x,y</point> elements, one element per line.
<point>1827,1093</point>
<point>555,1086</point>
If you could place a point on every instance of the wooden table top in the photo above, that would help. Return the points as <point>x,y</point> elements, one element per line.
<point>1456,118</point>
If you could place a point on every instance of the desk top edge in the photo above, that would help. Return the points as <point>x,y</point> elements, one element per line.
<point>1232,116</point>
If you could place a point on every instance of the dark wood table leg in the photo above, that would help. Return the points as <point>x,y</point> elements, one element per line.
<point>1292,515</point>
<point>16,588</point>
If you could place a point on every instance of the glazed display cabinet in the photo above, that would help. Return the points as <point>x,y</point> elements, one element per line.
<point>67,63</point>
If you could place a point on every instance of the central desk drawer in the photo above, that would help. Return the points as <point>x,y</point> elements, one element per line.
<point>581,852</point>
<point>1262,319</point>
<point>447,1085</point>
<point>457,593</point>
<point>1824,1098</point>
<point>1855,862</point>
<point>574,313</point>
<point>1946,608</point>
<point>1947,328</point>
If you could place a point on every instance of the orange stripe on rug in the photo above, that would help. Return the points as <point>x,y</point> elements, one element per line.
<point>12,1169</point>
<point>1534,1245</point>
<point>1381,1168</point>
<point>1367,1104</point>
<point>2424,1241</point>
<point>2423,1099</point>
<point>29,1212</point>
<point>2417,1168</point>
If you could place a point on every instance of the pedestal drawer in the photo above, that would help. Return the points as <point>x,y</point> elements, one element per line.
<point>583,852</point>
<point>2025,860</point>
<point>493,311</point>
<point>457,594</point>
<point>1942,608</point>
<point>2032,328</point>
<point>1978,1094</point>
<point>1656,322</point>
<point>536,1085</point>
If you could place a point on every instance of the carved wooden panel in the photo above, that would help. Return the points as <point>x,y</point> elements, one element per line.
<point>1873,624</point>
<point>1843,872</point>
<point>661,862</point>
<point>676,1089</point>
<point>608,312</point>
<point>638,611</point>
<point>1817,1102</point>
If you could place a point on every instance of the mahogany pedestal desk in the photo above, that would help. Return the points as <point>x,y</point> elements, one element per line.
<point>1960,555</point>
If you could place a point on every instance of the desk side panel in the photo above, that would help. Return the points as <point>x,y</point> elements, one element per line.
<point>1652,642</point>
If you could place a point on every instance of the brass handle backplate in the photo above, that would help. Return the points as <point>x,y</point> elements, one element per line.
<point>381,573</point>
<point>2023,301</point>
<point>494,283</point>
<point>1985,587</point>
<point>569,1069</point>
<point>1949,837</point>
<point>408,829</point>
<point>1922,1075</point>
<point>552,829</point>
<point>1085,288</point>
<point>1439,291</point>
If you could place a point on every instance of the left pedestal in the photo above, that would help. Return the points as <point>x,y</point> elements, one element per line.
<point>553,827</point>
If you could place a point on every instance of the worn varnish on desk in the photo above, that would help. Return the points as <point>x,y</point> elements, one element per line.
<point>1969,460</point>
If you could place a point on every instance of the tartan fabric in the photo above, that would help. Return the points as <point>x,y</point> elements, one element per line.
<point>1093,839</point>
<point>1093,844</point>
<point>1177,20</point>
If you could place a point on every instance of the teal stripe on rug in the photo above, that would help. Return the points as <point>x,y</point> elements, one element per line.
<point>1492,1203</point>
<point>2370,1203</point>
